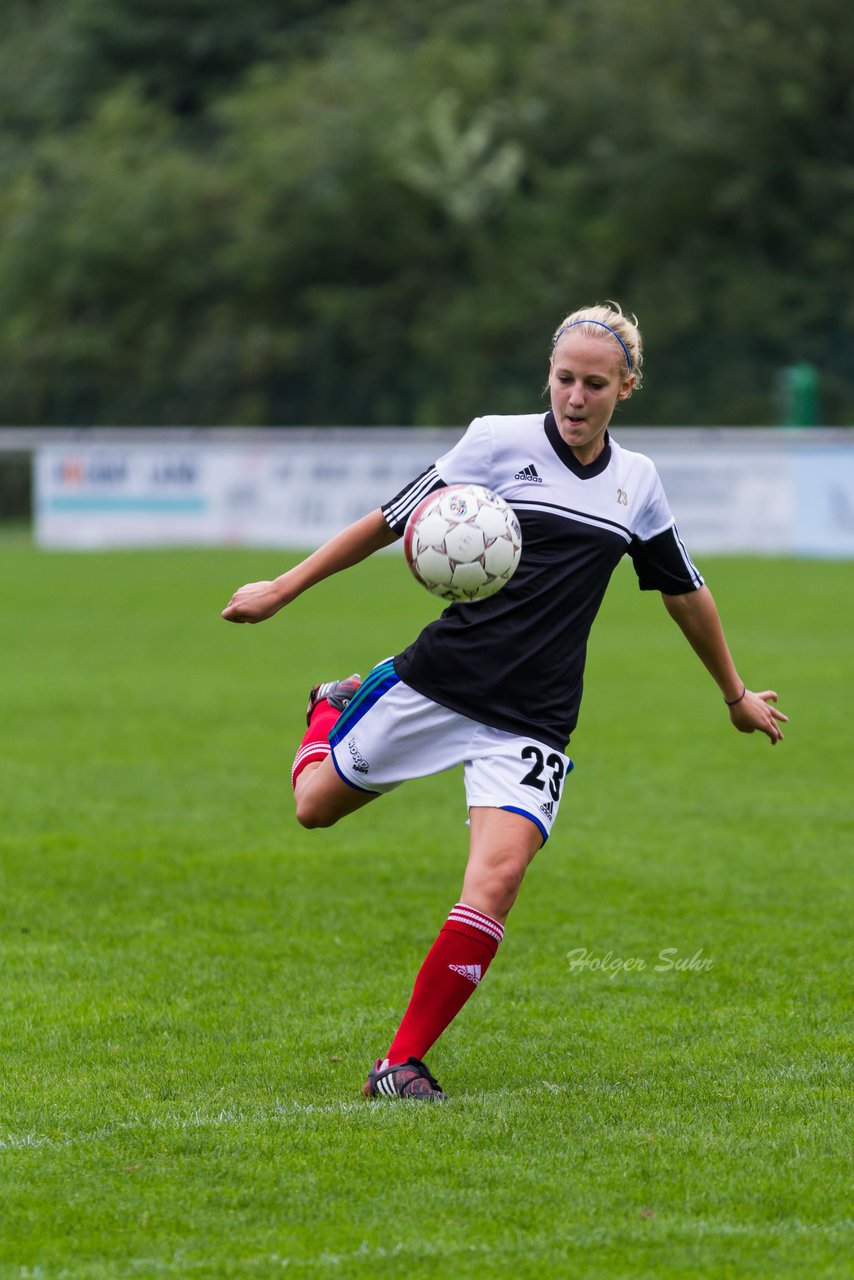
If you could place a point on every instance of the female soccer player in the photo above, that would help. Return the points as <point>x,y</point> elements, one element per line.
<point>497,684</point>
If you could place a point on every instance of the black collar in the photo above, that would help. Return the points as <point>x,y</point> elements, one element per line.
<point>568,458</point>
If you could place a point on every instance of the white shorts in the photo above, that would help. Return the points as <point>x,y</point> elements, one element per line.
<point>389,734</point>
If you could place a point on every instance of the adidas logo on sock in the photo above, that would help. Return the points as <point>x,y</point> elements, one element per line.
<point>470,971</point>
<point>529,473</point>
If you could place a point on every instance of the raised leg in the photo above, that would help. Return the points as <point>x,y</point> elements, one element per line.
<point>322,799</point>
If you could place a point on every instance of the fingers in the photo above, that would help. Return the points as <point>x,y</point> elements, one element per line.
<point>239,608</point>
<point>757,713</point>
<point>231,612</point>
<point>252,603</point>
<point>769,696</point>
<point>771,727</point>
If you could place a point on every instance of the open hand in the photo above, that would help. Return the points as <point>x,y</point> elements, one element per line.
<point>756,711</point>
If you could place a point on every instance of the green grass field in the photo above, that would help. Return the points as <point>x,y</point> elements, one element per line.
<point>193,987</point>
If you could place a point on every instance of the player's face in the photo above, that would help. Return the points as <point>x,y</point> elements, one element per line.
<point>587,377</point>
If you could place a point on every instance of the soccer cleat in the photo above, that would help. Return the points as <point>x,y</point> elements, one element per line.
<point>410,1079</point>
<point>336,692</point>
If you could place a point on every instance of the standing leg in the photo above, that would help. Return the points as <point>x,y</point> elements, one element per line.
<point>501,847</point>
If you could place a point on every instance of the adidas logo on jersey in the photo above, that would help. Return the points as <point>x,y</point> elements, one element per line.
<point>529,473</point>
<point>470,971</point>
<point>548,809</point>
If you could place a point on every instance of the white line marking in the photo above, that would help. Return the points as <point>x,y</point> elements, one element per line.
<point>283,1111</point>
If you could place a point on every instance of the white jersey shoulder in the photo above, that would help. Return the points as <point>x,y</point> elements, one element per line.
<point>639,481</point>
<point>481,455</point>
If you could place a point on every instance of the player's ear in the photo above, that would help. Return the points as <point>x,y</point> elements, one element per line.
<point>626,387</point>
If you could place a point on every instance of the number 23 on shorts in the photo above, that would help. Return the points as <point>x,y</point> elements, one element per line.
<point>553,765</point>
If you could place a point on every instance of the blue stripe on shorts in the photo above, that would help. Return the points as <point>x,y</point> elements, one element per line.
<point>523,813</point>
<point>378,682</point>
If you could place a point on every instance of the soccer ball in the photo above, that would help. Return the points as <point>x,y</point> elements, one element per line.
<point>463,542</point>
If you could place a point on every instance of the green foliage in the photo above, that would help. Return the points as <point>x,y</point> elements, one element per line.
<point>35,40</point>
<point>376,214</point>
<point>184,54</point>
<point>105,268</point>
<point>193,987</point>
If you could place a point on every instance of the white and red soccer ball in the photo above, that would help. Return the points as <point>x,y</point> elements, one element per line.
<point>463,542</point>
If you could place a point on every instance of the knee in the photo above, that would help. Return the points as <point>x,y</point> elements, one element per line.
<point>499,884</point>
<point>311,801</point>
<point>507,881</point>
<point>311,814</point>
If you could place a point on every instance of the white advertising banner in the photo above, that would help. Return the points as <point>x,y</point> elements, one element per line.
<point>823,507</point>
<point>731,491</point>
<point>726,502</point>
<point>278,495</point>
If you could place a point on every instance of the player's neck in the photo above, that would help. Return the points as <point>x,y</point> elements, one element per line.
<point>588,453</point>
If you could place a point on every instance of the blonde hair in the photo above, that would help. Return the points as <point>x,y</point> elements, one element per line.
<point>593,323</point>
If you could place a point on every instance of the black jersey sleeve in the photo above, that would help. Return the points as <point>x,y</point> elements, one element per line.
<point>399,508</point>
<point>663,564</point>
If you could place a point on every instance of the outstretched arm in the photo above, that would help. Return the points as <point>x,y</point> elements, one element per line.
<point>697,615</point>
<point>259,600</point>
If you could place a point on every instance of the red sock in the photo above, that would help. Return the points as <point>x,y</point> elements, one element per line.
<point>315,742</point>
<point>454,966</point>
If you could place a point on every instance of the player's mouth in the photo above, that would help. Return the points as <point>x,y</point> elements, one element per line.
<point>575,422</point>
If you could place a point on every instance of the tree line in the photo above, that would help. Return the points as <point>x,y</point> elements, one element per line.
<point>345,211</point>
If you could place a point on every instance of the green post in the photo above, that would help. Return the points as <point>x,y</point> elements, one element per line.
<point>799,395</point>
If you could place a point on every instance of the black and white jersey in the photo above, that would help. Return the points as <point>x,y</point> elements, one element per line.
<point>516,659</point>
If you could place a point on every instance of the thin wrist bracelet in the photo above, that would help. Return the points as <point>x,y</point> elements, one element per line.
<point>736,701</point>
